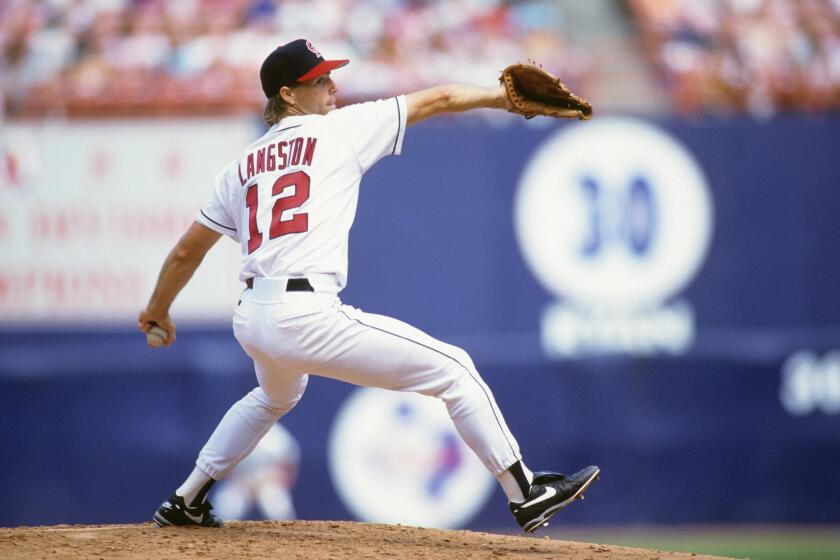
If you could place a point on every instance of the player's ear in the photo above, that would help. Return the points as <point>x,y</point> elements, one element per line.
<point>287,95</point>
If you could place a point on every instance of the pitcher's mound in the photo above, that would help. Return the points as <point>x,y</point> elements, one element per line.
<point>309,540</point>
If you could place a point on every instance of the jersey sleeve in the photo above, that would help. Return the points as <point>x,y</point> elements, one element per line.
<point>216,214</point>
<point>374,129</point>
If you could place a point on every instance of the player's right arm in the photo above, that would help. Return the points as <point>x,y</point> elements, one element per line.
<point>176,271</point>
<point>453,98</point>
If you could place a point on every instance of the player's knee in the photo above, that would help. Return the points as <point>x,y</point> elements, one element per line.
<point>461,387</point>
<point>460,357</point>
<point>279,404</point>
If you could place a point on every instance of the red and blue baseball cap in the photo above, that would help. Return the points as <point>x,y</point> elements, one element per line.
<point>292,64</point>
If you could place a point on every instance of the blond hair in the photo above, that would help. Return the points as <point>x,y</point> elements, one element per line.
<point>275,109</point>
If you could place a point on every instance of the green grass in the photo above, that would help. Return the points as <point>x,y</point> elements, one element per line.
<point>755,543</point>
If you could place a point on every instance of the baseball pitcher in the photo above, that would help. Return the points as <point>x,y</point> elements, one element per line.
<point>289,200</point>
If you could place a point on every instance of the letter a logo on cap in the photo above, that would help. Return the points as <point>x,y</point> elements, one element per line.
<point>313,49</point>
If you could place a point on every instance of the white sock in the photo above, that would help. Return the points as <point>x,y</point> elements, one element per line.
<point>511,487</point>
<point>192,486</point>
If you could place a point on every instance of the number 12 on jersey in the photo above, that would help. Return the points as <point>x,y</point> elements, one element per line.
<point>298,223</point>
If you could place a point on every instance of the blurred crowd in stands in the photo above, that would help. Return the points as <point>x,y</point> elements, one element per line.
<point>99,57</point>
<point>129,56</point>
<point>758,56</point>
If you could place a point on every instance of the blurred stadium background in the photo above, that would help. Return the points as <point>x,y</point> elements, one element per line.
<point>654,291</point>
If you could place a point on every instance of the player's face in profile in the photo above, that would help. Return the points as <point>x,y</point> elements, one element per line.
<point>316,96</point>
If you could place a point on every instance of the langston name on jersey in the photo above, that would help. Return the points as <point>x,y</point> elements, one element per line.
<point>277,156</point>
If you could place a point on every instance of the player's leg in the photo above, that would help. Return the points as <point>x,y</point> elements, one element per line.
<point>376,351</point>
<point>435,368</point>
<point>379,351</point>
<point>248,420</point>
<point>236,435</point>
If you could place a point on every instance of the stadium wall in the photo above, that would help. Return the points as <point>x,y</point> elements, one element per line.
<point>656,297</point>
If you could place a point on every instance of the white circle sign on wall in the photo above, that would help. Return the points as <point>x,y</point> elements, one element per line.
<point>613,213</point>
<point>396,458</point>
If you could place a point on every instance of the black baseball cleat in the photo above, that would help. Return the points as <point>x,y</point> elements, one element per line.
<point>175,512</point>
<point>551,492</point>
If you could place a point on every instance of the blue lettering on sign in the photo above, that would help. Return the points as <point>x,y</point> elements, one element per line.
<point>592,245</point>
<point>633,226</point>
<point>640,216</point>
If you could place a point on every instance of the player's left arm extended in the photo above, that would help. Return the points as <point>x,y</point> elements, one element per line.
<point>453,98</point>
<point>176,271</point>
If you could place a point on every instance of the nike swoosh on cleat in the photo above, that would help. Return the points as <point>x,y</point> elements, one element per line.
<point>549,493</point>
<point>196,519</point>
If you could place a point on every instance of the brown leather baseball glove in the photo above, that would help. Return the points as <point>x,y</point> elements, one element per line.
<point>532,91</point>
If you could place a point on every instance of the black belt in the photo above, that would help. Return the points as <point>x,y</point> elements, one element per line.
<point>293,285</point>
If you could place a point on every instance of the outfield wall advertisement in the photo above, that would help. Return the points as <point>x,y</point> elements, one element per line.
<point>88,211</point>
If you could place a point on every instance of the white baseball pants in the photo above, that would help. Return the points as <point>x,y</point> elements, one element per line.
<point>292,334</point>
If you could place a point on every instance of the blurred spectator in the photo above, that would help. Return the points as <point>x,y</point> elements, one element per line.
<point>761,56</point>
<point>140,56</point>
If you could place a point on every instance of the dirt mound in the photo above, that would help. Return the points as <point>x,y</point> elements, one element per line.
<point>310,540</point>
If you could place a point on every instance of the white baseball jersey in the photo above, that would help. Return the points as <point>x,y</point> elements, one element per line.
<point>290,198</point>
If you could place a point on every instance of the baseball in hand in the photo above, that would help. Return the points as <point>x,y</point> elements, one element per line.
<point>156,337</point>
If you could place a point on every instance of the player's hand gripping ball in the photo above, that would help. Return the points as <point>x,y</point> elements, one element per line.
<point>156,337</point>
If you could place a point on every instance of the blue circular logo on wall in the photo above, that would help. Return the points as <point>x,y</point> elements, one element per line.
<point>396,458</point>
